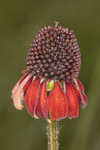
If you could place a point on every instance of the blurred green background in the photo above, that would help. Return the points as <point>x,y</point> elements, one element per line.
<point>20,20</point>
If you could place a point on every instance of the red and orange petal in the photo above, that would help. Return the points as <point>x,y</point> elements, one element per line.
<point>32,96</point>
<point>60,103</point>
<point>83,98</point>
<point>27,85</point>
<point>72,98</point>
<point>78,87</point>
<point>18,91</point>
<point>43,100</point>
<point>57,103</point>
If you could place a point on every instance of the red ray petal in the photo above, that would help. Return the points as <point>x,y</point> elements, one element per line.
<point>23,77</point>
<point>27,85</point>
<point>80,85</point>
<point>81,94</point>
<point>72,101</point>
<point>84,101</point>
<point>43,100</point>
<point>32,96</point>
<point>38,110</point>
<point>57,103</point>
<point>19,82</point>
<point>18,92</point>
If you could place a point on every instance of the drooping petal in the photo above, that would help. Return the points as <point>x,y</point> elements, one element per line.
<point>72,101</point>
<point>38,112</point>
<point>18,98</point>
<point>19,82</point>
<point>18,92</point>
<point>43,100</point>
<point>32,96</point>
<point>80,85</point>
<point>57,103</point>
<point>81,94</point>
<point>27,85</point>
<point>15,87</point>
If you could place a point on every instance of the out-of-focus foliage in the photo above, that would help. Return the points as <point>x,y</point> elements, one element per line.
<point>20,20</point>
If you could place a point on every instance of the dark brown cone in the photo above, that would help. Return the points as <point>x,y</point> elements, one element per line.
<point>54,54</point>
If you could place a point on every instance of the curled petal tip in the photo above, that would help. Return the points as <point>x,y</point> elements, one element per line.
<point>73,117</point>
<point>84,105</point>
<point>19,106</point>
<point>35,116</point>
<point>49,121</point>
<point>18,98</point>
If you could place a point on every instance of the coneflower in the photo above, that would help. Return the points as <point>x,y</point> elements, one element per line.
<point>49,87</point>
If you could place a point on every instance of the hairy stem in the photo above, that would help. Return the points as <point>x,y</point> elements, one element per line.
<point>53,132</point>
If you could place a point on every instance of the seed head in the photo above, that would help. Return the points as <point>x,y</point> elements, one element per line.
<point>54,54</point>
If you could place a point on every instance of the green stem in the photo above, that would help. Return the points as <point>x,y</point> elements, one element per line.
<point>53,135</point>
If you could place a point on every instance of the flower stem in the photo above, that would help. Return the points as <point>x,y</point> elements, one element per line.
<point>53,132</point>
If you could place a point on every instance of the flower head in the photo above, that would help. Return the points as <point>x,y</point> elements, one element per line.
<point>50,87</point>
